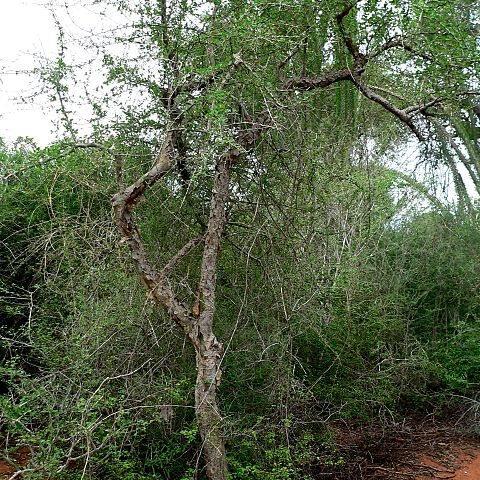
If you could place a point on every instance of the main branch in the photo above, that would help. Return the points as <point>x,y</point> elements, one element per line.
<point>355,72</point>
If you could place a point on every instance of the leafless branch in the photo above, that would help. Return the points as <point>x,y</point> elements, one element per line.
<point>349,43</point>
<point>355,72</point>
<point>388,92</point>
<point>20,473</point>
<point>397,42</point>
<point>312,83</point>
<point>400,114</point>
<point>183,252</point>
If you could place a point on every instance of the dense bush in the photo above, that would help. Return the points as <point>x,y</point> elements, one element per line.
<point>370,321</point>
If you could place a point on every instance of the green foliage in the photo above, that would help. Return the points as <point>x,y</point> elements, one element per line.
<point>282,453</point>
<point>443,310</point>
<point>331,301</point>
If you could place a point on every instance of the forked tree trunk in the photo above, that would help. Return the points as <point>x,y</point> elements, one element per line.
<point>197,323</point>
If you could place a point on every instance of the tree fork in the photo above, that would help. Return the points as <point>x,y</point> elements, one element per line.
<point>198,327</point>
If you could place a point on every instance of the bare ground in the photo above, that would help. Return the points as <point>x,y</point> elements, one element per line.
<point>414,450</point>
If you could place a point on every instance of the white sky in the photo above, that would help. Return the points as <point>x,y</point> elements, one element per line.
<point>28,38</point>
<point>26,29</point>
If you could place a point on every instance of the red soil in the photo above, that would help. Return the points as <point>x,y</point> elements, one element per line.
<point>18,458</point>
<point>466,466</point>
<point>415,450</point>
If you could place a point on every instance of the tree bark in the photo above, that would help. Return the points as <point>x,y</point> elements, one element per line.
<point>208,349</point>
<point>198,326</point>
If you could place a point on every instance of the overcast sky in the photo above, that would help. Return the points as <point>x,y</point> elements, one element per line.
<point>27,29</point>
<point>28,34</point>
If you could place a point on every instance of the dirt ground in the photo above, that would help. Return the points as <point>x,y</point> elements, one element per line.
<point>413,450</point>
<point>19,458</point>
<point>464,464</point>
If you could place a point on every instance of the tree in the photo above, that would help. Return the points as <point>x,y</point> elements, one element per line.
<point>224,83</point>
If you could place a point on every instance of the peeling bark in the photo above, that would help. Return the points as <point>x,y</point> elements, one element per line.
<point>208,349</point>
<point>196,322</point>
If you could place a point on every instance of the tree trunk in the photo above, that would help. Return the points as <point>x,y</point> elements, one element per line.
<point>197,323</point>
<point>208,417</point>
<point>208,349</point>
